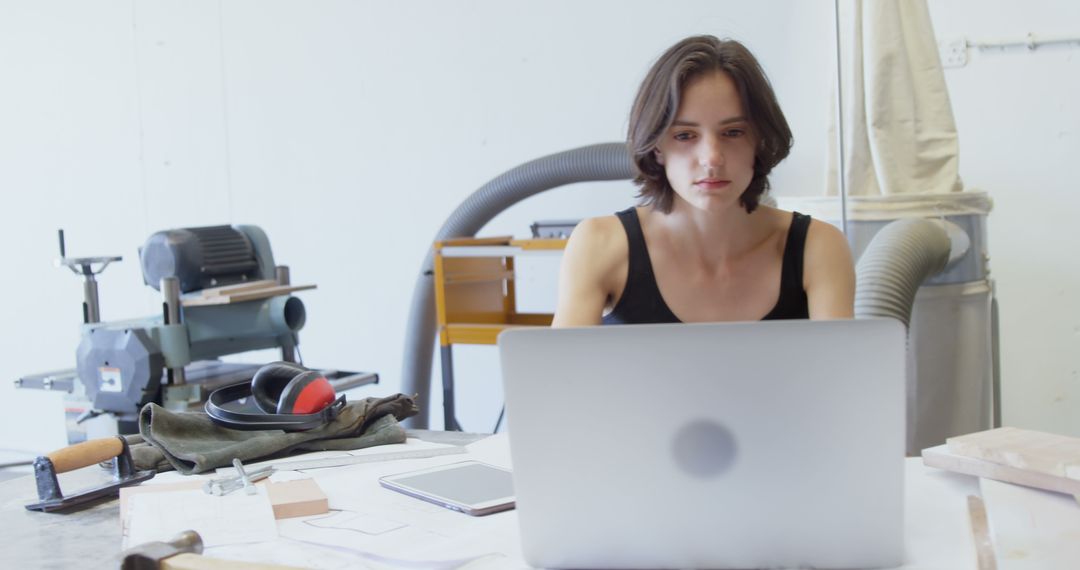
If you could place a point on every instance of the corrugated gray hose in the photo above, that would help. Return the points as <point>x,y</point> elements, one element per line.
<point>901,256</point>
<point>608,161</point>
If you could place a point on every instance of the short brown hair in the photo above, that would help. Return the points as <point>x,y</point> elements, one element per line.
<point>658,99</point>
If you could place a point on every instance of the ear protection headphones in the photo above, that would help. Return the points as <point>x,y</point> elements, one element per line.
<point>290,397</point>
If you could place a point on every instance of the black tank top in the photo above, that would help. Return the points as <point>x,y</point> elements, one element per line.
<point>641,302</point>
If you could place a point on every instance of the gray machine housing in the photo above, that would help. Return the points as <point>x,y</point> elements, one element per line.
<point>125,364</point>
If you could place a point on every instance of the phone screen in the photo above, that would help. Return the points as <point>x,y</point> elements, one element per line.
<point>471,485</point>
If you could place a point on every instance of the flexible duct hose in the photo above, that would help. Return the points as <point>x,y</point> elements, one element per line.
<point>901,256</point>
<point>608,161</point>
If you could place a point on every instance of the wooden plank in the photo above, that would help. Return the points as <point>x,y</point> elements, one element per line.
<point>242,296</point>
<point>440,297</point>
<point>462,298</point>
<point>540,243</point>
<point>534,319</point>
<point>942,458</point>
<point>473,333</point>
<point>980,529</point>
<point>477,298</point>
<point>237,288</point>
<point>476,333</point>
<point>463,277</point>
<point>467,241</point>
<point>192,561</point>
<point>473,266</point>
<point>1049,453</point>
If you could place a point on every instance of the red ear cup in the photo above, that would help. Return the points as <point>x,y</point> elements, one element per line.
<point>308,393</point>
<point>270,383</point>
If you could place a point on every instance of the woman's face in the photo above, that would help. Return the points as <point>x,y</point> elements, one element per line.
<point>708,153</point>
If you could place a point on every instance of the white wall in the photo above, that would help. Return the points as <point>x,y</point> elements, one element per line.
<point>1018,116</point>
<point>349,130</point>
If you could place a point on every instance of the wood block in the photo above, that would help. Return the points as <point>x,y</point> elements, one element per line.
<point>196,300</point>
<point>298,498</point>
<point>237,287</point>
<point>1042,452</point>
<point>942,458</point>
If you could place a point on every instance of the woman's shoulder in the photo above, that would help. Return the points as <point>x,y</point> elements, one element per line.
<point>601,240</point>
<point>817,230</point>
<point>599,231</point>
<point>826,248</point>
<point>824,235</point>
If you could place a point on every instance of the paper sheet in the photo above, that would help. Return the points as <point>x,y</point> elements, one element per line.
<point>220,520</point>
<point>369,526</point>
<point>411,445</point>
<point>384,524</point>
<point>937,528</point>
<point>365,524</point>
<point>494,450</point>
<point>1032,529</point>
<point>290,553</point>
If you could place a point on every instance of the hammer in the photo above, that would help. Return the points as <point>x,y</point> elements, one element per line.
<point>183,552</point>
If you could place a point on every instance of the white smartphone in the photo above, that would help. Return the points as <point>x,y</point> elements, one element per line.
<point>470,487</point>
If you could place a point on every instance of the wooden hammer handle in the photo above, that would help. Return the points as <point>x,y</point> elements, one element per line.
<point>85,454</point>
<point>188,561</point>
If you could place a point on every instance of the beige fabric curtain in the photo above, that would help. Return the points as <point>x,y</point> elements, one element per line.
<point>899,132</point>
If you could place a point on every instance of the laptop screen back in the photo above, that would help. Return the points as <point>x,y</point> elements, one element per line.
<point>708,445</point>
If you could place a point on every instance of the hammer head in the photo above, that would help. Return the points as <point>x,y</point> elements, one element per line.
<point>149,556</point>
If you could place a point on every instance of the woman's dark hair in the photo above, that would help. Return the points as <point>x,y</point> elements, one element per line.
<point>658,99</point>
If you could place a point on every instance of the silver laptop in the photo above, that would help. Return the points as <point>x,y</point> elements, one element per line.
<point>730,445</point>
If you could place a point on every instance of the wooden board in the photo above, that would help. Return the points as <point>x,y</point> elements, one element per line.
<point>197,300</point>
<point>237,288</point>
<point>473,241</point>
<point>1037,451</point>
<point>942,458</point>
<point>980,530</point>
<point>298,498</point>
<point>190,561</point>
<point>540,243</point>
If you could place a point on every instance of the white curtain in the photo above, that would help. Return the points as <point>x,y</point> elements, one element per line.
<point>899,133</point>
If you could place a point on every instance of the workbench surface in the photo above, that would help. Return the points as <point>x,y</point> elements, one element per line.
<point>89,538</point>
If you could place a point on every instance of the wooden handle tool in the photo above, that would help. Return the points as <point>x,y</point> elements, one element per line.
<point>78,456</point>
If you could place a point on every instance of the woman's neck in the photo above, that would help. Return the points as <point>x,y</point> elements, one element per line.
<point>716,237</point>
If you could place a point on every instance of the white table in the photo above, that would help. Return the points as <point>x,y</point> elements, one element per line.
<point>937,523</point>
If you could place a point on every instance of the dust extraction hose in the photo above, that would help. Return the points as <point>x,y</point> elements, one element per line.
<point>901,256</point>
<point>608,161</point>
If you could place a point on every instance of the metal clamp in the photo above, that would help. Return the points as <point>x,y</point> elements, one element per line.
<point>243,480</point>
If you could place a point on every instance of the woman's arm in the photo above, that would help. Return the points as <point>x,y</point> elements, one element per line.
<point>586,274</point>
<point>828,273</point>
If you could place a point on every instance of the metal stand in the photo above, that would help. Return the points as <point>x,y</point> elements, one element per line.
<point>449,421</point>
<point>85,266</point>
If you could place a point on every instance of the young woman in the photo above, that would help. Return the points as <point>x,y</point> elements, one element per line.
<point>705,131</point>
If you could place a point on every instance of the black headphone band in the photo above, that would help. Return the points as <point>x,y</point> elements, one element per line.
<point>245,421</point>
<point>270,381</point>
